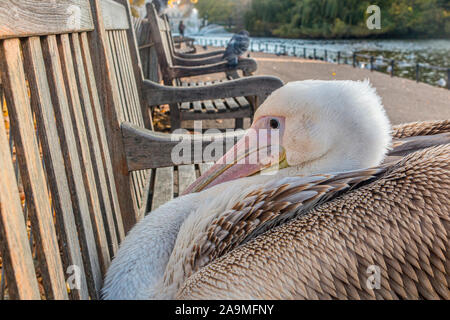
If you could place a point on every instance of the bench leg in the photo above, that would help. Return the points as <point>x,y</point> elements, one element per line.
<point>239,123</point>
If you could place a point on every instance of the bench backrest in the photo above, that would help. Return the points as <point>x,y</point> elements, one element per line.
<point>147,50</point>
<point>69,76</point>
<point>159,31</point>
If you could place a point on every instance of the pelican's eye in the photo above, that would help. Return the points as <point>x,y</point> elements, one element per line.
<point>274,124</point>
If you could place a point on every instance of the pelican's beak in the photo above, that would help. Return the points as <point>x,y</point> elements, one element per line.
<point>259,151</point>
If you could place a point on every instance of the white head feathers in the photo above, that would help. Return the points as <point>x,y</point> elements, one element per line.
<point>330,125</point>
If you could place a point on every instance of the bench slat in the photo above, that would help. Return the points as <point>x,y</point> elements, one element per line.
<point>93,141</point>
<point>32,18</point>
<point>130,72</point>
<point>124,99</point>
<point>130,98</point>
<point>16,251</point>
<point>132,105</point>
<point>122,36</point>
<point>163,188</point>
<point>125,76</point>
<point>220,105</point>
<point>112,110</point>
<point>74,172</point>
<point>185,105</point>
<point>31,170</point>
<point>186,176</point>
<point>208,103</point>
<point>114,53</point>
<point>102,134</point>
<point>232,104</point>
<point>243,102</point>
<point>114,15</point>
<point>54,162</point>
<point>83,151</point>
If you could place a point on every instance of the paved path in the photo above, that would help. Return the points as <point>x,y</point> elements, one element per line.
<point>404,100</point>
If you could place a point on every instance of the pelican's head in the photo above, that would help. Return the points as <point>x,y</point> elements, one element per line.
<point>314,126</point>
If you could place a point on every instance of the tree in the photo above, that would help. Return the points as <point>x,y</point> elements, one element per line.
<point>347,18</point>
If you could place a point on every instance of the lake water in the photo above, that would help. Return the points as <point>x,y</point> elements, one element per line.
<point>432,55</point>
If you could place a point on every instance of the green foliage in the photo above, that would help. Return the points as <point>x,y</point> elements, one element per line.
<point>347,18</point>
<point>216,11</point>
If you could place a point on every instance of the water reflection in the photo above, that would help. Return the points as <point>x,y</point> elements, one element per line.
<point>406,53</point>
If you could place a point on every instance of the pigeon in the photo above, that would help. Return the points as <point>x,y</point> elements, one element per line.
<point>237,46</point>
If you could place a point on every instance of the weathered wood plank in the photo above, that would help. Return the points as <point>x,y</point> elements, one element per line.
<point>186,176</point>
<point>146,197</point>
<point>163,188</point>
<point>135,62</point>
<point>15,248</point>
<point>243,102</point>
<point>54,163</point>
<point>185,105</point>
<point>112,114</point>
<point>208,103</point>
<point>83,150</point>
<point>197,107</point>
<point>232,104</point>
<point>239,113</point>
<point>133,104</point>
<point>106,157</point>
<point>220,106</point>
<point>93,141</point>
<point>35,17</point>
<point>140,145</point>
<point>124,98</point>
<point>249,86</point>
<point>74,172</point>
<point>32,173</point>
<point>118,75</point>
<point>114,15</point>
<point>125,76</point>
<point>163,58</point>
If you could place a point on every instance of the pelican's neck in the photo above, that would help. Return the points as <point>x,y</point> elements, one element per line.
<point>138,268</point>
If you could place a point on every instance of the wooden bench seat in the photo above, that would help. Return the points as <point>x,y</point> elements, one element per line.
<point>170,182</point>
<point>234,107</point>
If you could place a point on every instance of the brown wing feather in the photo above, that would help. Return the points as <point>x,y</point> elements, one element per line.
<point>399,223</point>
<point>424,128</point>
<point>270,206</point>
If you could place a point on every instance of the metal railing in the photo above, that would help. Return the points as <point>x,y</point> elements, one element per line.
<point>370,62</point>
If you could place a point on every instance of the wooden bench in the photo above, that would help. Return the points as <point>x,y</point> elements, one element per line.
<point>188,42</point>
<point>179,40</point>
<point>173,67</point>
<point>77,167</point>
<point>237,107</point>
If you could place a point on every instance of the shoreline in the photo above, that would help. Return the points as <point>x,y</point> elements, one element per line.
<point>404,100</point>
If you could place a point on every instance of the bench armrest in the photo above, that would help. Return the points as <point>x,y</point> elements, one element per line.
<point>200,55</point>
<point>248,66</point>
<point>178,39</point>
<point>146,149</point>
<point>260,86</point>
<point>196,62</point>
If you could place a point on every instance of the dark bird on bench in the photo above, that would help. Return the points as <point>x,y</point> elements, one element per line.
<point>340,206</point>
<point>237,46</point>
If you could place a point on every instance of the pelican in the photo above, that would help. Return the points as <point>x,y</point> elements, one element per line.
<point>340,206</point>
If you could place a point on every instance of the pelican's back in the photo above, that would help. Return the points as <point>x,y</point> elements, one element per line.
<point>385,240</point>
